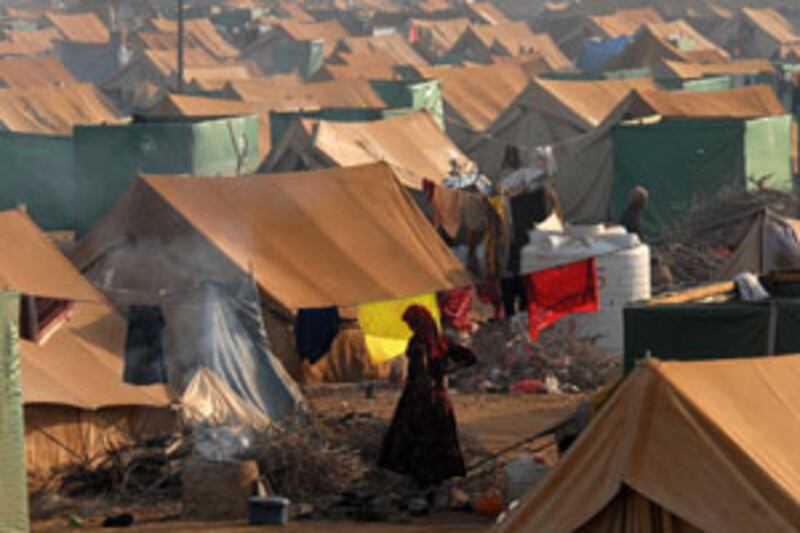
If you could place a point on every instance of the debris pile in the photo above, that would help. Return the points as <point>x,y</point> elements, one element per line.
<point>558,360</point>
<point>699,244</point>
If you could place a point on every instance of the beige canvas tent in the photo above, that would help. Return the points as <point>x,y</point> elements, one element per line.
<point>548,112</point>
<point>412,144</point>
<point>669,41</point>
<point>54,110</point>
<point>756,33</point>
<point>341,236</point>
<point>699,446</point>
<point>771,243</point>
<point>76,405</point>
<point>475,96</point>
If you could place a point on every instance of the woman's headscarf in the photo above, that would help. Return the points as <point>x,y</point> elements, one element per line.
<point>422,323</point>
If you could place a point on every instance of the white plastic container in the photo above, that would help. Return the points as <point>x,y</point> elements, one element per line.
<point>623,272</point>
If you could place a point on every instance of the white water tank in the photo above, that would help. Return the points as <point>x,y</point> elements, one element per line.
<point>623,273</point>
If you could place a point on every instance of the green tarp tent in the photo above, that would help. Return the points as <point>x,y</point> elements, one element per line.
<point>13,478</point>
<point>39,171</point>
<point>696,331</point>
<point>108,158</point>
<point>680,160</point>
<point>400,97</point>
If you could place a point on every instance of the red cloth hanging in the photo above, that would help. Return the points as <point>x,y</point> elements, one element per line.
<point>455,306</point>
<point>560,291</point>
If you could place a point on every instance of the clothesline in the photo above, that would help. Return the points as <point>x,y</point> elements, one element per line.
<point>547,295</point>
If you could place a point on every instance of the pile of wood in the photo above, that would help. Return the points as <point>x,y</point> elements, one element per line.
<point>698,245</point>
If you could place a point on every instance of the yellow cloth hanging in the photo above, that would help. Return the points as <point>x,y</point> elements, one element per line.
<point>385,332</point>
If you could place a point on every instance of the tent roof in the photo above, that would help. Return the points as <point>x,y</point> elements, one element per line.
<point>688,71</point>
<point>80,364</point>
<point>27,73</point>
<point>84,28</point>
<point>653,45</point>
<point>413,144</point>
<point>772,23</point>
<point>316,95</point>
<point>682,29</point>
<point>479,94</point>
<point>54,110</point>
<point>743,103</point>
<point>444,33</point>
<point>29,43</point>
<point>593,101</point>
<point>338,236</point>
<point>487,12</point>
<point>166,62</point>
<point>199,32</point>
<point>330,31</point>
<point>36,266</point>
<point>625,21</point>
<point>712,443</point>
<point>517,37</point>
<point>394,45</point>
<point>368,69</point>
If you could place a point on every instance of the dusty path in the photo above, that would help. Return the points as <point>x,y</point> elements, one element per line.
<point>488,422</point>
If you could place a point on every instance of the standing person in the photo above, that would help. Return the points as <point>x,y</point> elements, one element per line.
<point>422,441</point>
<point>633,214</point>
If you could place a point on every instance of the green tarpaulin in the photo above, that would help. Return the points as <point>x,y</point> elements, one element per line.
<point>412,95</point>
<point>681,160</point>
<point>711,330</point>
<point>108,158</point>
<point>13,478</point>
<point>39,172</point>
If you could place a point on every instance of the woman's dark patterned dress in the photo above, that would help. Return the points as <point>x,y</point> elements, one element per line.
<point>422,441</point>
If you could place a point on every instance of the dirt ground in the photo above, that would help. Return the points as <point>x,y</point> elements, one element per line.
<point>487,422</point>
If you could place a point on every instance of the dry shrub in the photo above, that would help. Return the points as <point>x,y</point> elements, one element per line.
<point>690,249</point>
<point>303,462</point>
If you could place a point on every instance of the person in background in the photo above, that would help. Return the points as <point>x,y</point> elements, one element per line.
<point>422,441</point>
<point>633,214</point>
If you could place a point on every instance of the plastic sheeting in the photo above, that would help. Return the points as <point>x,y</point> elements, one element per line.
<point>108,158</point>
<point>678,160</point>
<point>209,400</point>
<point>596,54</point>
<point>13,481</point>
<point>220,327</point>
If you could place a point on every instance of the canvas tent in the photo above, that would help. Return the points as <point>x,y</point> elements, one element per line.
<point>571,30</point>
<point>756,33</point>
<point>327,237</point>
<point>771,243</point>
<point>27,73</point>
<point>703,446</point>
<point>550,112</point>
<point>394,45</point>
<point>671,41</point>
<point>282,96</point>
<point>480,44</point>
<point>76,404</point>
<point>475,96</point>
<point>412,144</point>
<point>703,142</point>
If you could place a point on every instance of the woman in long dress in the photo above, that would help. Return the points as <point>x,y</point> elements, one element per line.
<point>422,441</point>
